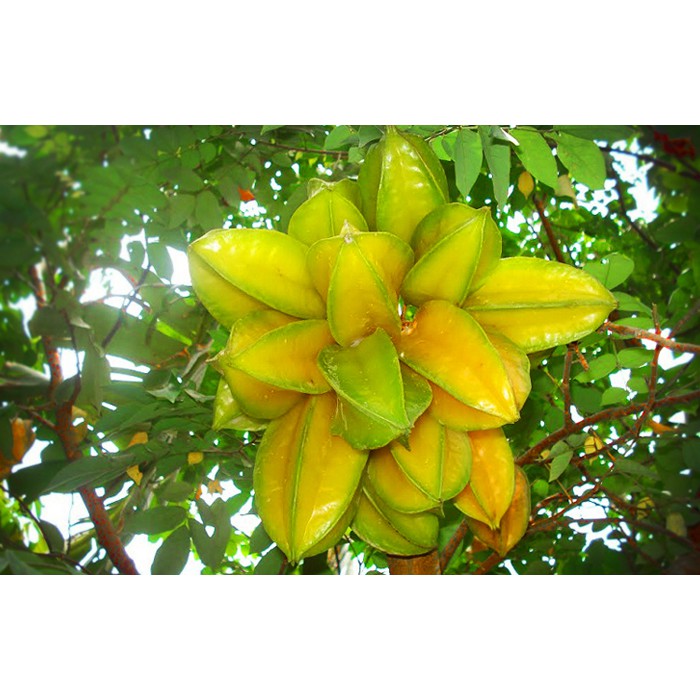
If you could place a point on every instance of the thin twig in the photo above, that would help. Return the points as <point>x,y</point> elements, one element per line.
<point>454,542</point>
<point>649,335</point>
<point>608,414</point>
<point>565,386</point>
<point>492,560</point>
<point>548,230</point>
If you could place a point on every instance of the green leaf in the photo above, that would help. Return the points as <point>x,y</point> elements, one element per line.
<point>31,482</point>
<point>643,322</point>
<point>159,257</point>
<point>599,133</point>
<point>630,466</point>
<point>598,368</point>
<point>611,271</point>
<point>175,491</point>
<point>536,156</point>
<point>355,154</point>
<point>340,136</point>
<point>468,156</point>
<point>638,385</point>
<point>681,230</point>
<point>630,303</point>
<point>497,154</point>
<point>48,321</point>
<point>559,464</point>
<point>540,488</point>
<point>180,208</point>
<point>171,557</point>
<point>86,471</point>
<point>582,158</point>
<point>54,538</point>
<point>207,211</point>
<point>271,564</point>
<point>634,357</point>
<point>368,134</point>
<point>211,550</point>
<point>259,540</point>
<point>234,504</point>
<point>37,132</point>
<point>156,520</point>
<point>208,151</point>
<point>614,395</point>
<point>94,376</point>
<point>269,127</point>
<point>17,564</point>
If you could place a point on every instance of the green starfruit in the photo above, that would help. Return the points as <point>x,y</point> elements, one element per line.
<point>327,210</point>
<point>401,181</point>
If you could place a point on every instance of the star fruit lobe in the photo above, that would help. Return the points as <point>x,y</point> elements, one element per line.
<point>539,304</point>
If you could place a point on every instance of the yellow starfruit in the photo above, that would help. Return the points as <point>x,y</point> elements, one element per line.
<point>305,478</point>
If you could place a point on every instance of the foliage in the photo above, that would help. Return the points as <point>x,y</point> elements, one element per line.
<point>94,222</point>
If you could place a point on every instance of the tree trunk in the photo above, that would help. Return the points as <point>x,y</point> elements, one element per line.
<point>423,564</point>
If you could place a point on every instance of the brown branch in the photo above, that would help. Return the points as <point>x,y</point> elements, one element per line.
<point>454,542</point>
<point>649,335</point>
<point>608,414</point>
<point>104,528</point>
<point>565,386</point>
<point>492,560</point>
<point>548,230</point>
<point>421,565</point>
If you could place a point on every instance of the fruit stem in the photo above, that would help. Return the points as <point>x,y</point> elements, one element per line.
<point>422,565</point>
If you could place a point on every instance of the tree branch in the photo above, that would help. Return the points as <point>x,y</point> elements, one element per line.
<point>454,542</point>
<point>608,414</point>
<point>423,564</point>
<point>648,335</point>
<point>548,229</point>
<point>104,528</point>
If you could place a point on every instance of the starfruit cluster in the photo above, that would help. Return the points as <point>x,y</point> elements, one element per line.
<point>381,344</point>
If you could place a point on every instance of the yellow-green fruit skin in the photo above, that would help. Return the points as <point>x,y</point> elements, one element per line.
<point>228,414</point>
<point>267,266</point>
<point>392,485</point>
<point>458,416</point>
<point>401,181</point>
<point>492,482</point>
<point>446,346</point>
<point>514,522</point>
<point>257,399</point>
<point>456,248</point>
<point>306,479</point>
<point>323,215</point>
<point>539,304</point>
<point>398,534</point>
